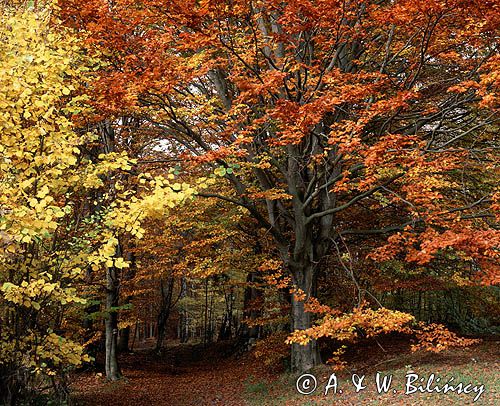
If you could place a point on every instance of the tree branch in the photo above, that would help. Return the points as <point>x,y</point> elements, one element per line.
<point>352,201</point>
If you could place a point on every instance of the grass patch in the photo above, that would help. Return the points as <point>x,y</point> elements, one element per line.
<point>477,366</point>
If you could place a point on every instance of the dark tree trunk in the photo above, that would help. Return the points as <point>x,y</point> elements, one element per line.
<point>124,339</point>
<point>9,385</point>
<point>183,316</point>
<point>304,357</point>
<point>205,317</point>
<point>166,291</point>
<point>210,332</point>
<point>301,262</point>
<point>252,301</point>
<point>184,327</point>
<point>112,369</point>
<point>124,336</point>
<point>226,328</point>
<point>162,323</point>
<point>112,281</point>
<point>88,326</point>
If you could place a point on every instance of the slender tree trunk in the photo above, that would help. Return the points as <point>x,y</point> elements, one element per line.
<point>251,299</point>
<point>124,339</point>
<point>136,333</point>
<point>162,324</point>
<point>88,329</point>
<point>184,327</point>
<point>112,369</point>
<point>124,336</point>
<point>211,319</point>
<point>166,306</point>
<point>226,328</point>
<point>112,282</point>
<point>183,316</point>
<point>205,317</point>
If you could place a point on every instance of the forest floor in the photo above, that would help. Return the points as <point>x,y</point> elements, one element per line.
<point>189,375</point>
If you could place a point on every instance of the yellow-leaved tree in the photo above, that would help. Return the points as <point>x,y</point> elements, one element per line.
<point>51,233</point>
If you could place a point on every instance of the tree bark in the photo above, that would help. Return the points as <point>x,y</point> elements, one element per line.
<point>112,368</point>
<point>252,295</point>
<point>124,336</point>
<point>183,315</point>
<point>304,357</point>
<point>124,339</point>
<point>226,328</point>
<point>166,306</point>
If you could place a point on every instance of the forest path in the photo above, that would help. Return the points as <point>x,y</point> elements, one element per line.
<point>183,376</point>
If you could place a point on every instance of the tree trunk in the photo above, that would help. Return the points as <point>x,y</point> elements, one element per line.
<point>111,367</point>
<point>252,298</point>
<point>184,327</point>
<point>162,324</point>
<point>226,328</point>
<point>205,315</point>
<point>88,329</point>
<point>112,280</point>
<point>183,316</point>
<point>124,335</point>
<point>210,333</point>
<point>124,339</point>
<point>304,357</point>
<point>166,306</point>
<point>9,386</point>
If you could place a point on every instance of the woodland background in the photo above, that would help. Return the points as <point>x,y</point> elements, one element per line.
<point>260,185</point>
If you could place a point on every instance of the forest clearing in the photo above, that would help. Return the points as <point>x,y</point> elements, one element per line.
<point>249,202</point>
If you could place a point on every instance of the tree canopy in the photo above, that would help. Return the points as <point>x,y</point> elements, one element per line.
<point>296,173</point>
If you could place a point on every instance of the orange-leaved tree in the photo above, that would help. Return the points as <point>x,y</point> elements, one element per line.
<point>319,114</point>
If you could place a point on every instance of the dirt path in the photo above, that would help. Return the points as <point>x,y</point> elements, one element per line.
<point>200,379</point>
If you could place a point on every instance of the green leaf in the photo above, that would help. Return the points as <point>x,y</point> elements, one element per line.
<point>221,171</point>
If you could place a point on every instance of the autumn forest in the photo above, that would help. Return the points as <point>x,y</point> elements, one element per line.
<point>249,202</point>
